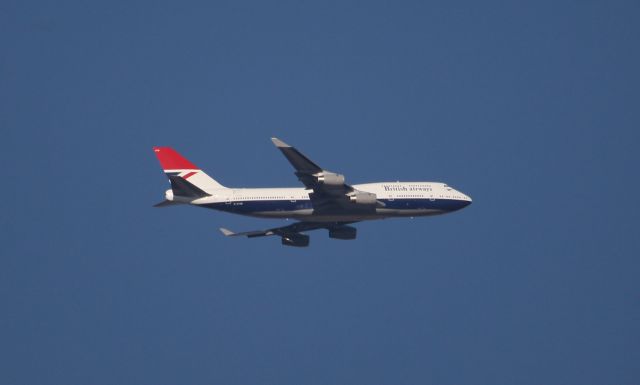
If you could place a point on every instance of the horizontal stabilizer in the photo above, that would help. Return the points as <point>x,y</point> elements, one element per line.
<point>250,234</point>
<point>227,232</point>
<point>166,203</point>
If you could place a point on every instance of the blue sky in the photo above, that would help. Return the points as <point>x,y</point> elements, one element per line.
<point>531,108</point>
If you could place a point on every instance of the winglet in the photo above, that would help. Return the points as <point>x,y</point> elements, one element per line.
<point>279,143</point>
<point>226,232</point>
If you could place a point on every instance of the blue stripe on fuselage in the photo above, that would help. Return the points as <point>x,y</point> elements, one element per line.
<point>425,204</point>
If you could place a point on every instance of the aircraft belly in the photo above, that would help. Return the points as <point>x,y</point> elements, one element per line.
<point>309,216</point>
<point>283,213</point>
<point>303,211</point>
<point>409,212</point>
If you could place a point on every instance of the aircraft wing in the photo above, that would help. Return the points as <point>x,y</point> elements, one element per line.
<point>330,192</point>
<point>295,228</point>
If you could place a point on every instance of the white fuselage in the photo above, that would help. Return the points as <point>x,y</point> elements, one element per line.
<point>396,199</point>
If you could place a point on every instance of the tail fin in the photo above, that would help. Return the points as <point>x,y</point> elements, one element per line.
<point>175,165</point>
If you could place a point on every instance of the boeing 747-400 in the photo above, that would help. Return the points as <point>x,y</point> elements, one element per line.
<point>325,202</point>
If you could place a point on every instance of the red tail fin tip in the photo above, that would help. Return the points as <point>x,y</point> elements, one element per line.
<point>170,159</point>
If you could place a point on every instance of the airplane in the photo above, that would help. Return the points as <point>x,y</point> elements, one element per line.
<point>325,202</point>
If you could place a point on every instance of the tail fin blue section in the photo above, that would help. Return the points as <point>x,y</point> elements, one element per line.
<point>182,188</point>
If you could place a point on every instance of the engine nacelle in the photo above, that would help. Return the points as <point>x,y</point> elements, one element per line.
<point>296,240</point>
<point>363,198</point>
<point>168,195</point>
<point>330,178</point>
<point>343,232</point>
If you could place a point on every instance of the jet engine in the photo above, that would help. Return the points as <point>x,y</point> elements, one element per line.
<point>362,198</point>
<point>295,239</point>
<point>342,232</point>
<point>329,178</point>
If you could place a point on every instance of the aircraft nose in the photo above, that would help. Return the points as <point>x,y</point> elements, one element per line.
<point>466,200</point>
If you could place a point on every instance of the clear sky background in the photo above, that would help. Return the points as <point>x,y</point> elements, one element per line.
<point>531,108</point>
